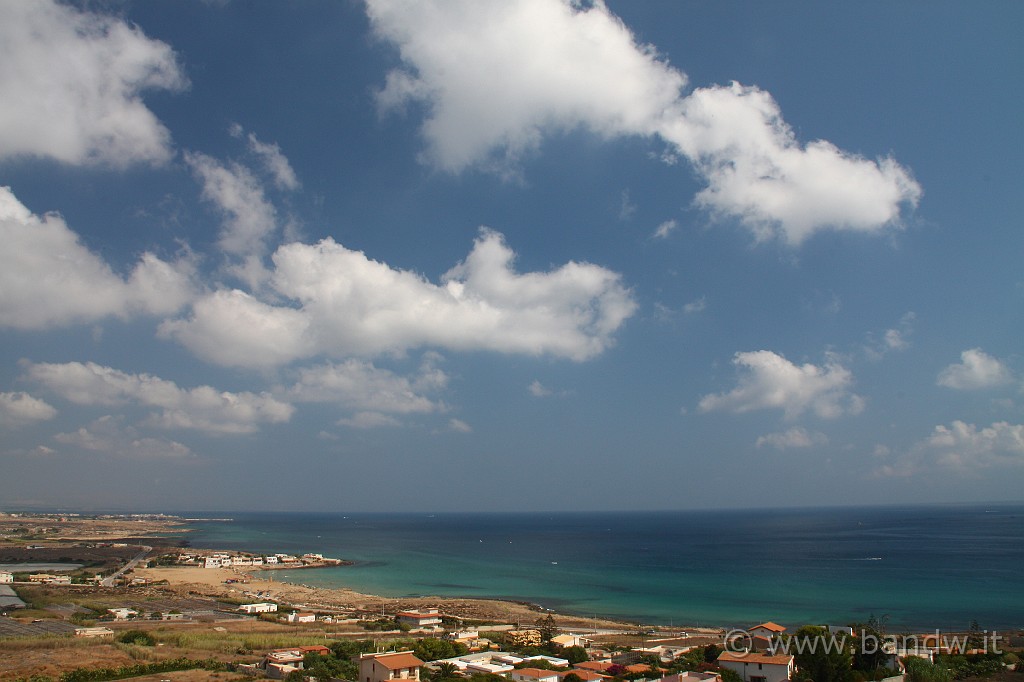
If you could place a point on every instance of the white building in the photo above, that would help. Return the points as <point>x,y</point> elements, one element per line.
<point>295,617</point>
<point>261,607</point>
<point>420,619</point>
<point>6,577</point>
<point>123,614</point>
<point>212,562</point>
<point>755,667</point>
<point>768,630</point>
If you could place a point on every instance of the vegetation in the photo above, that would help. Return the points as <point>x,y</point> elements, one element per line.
<point>137,637</point>
<point>920,670</point>
<point>816,657</point>
<point>433,649</point>
<point>125,671</point>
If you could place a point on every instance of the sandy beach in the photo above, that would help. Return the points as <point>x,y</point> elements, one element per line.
<point>211,582</point>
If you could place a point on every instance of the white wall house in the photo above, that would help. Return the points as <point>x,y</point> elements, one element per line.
<point>534,675</point>
<point>419,619</point>
<point>768,630</point>
<point>262,607</point>
<point>754,667</point>
<point>6,577</point>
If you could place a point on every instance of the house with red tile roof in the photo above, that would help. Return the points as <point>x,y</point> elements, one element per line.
<point>756,667</point>
<point>394,665</point>
<point>768,630</point>
<point>534,675</point>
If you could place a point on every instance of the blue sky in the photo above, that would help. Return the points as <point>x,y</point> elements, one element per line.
<point>519,255</point>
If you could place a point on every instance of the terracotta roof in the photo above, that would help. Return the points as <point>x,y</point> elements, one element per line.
<point>774,627</point>
<point>741,657</point>
<point>585,675</point>
<point>599,666</point>
<point>639,668</point>
<point>316,648</point>
<point>398,660</point>
<point>536,673</point>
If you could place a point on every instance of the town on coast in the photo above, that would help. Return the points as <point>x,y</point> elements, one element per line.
<point>111,597</point>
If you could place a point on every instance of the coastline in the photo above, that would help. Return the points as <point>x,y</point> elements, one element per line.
<point>211,582</point>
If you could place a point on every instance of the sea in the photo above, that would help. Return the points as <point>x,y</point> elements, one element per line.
<point>918,568</point>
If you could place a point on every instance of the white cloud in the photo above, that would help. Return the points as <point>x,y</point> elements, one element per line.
<point>976,370</point>
<point>459,426</point>
<point>359,385</point>
<point>347,304</point>
<point>48,278</point>
<point>772,381</point>
<point>249,219</point>
<point>275,162</point>
<point>369,420</point>
<point>202,408</point>
<point>665,229</point>
<point>894,339</point>
<point>697,306</point>
<point>497,78</point>
<point>71,84</point>
<point>796,437</point>
<point>961,447</point>
<point>19,408</point>
<point>538,390</point>
<point>108,435</point>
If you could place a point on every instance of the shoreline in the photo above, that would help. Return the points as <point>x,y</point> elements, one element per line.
<point>211,582</point>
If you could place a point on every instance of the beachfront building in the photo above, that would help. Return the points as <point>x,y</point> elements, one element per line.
<point>768,630</point>
<point>494,662</point>
<point>569,640</point>
<point>123,614</point>
<point>420,618</point>
<point>534,675</point>
<point>261,607</point>
<point>754,667</point>
<point>522,638</point>
<point>586,675</point>
<point>49,579</point>
<point>394,665</point>
<point>94,632</point>
<point>279,663</point>
<point>593,666</point>
<point>692,676</point>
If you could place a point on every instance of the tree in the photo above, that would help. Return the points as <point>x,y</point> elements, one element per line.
<point>868,653</point>
<point>820,657</point>
<point>575,654</point>
<point>920,670</point>
<point>137,637</point>
<point>447,670</point>
<point>432,649</point>
<point>548,628</point>
<point>572,677</point>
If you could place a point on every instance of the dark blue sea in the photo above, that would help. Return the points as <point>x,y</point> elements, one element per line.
<point>922,567</point>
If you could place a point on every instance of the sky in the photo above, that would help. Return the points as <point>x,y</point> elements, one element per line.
<point>521,255</point>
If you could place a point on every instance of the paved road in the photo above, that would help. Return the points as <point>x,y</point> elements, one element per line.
<point>109,580</point>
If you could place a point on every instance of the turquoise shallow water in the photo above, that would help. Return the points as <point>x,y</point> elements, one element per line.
<point>924,567</point>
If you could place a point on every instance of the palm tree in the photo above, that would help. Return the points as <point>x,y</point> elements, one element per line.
<point>447,670</point>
